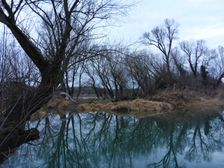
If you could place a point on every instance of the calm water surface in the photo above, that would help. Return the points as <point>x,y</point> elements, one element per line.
<point>102,140</point>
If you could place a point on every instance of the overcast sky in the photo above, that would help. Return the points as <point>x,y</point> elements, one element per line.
<point>198,19</point>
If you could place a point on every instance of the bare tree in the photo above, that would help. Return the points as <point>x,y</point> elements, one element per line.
<point>100,66</point>
<point>179,69</point>
<point>65,24</point>
<point>141,70</point>
<point>216,67</point>
<point>178,63</point>
<point>194,52</point>
<point>60,27</point>
<point>220,64</point>
<point>93,81</point>
<point>162,37</point>
<point>118,73</point>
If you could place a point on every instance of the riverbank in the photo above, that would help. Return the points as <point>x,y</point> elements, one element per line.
<point>166,103</point>
<point>182,102</point>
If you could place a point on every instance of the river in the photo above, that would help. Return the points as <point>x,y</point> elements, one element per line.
<point>101,140</point>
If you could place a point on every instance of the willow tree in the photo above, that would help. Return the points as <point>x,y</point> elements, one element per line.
<point>57,28</point>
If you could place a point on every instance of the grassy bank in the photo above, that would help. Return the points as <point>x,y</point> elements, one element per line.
<point>134,107</point>
<point>166,103</point>
<point>192,103</point>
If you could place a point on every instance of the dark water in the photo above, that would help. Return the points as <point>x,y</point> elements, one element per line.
<point>102,140</point>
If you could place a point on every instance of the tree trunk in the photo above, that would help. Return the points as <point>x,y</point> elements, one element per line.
<point>31,99</point>
<point>27,101</point>
<point>11,138</point>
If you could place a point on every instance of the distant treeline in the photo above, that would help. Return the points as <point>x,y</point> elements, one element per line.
<point>120,73</point>
<point>117,72</point>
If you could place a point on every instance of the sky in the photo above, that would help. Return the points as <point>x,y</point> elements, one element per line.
<point>197,19</point>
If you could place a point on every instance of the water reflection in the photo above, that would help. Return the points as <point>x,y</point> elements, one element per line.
<point>103,140</point>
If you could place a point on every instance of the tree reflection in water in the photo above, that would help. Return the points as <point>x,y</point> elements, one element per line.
<point>104,140</point>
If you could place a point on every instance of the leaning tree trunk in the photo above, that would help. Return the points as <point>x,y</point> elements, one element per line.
<point>28,100</point>
<point>22,104</point>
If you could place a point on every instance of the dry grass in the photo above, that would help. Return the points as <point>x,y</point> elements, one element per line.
<point>205,104</point>
<point>172,104</point>
<point>175,102</point>
<point>58,104</point>
<point>191,104</point>
<point>138,105</point>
